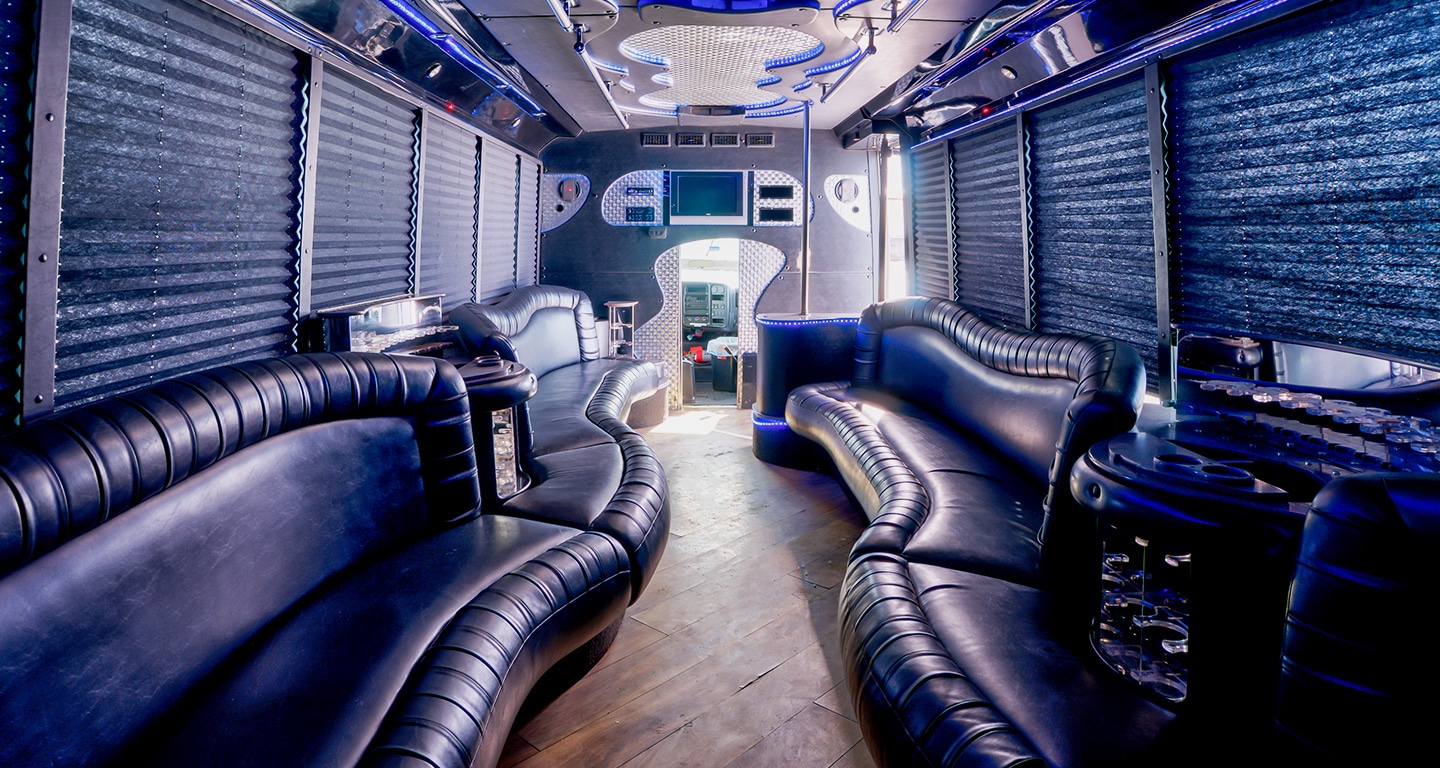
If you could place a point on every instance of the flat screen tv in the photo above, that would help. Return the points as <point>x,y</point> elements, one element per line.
<point>709,197</point>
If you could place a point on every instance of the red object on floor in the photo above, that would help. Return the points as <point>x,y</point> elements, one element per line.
<point>698,355</point>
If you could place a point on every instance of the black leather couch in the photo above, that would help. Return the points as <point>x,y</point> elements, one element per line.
<point>966,600</point>
<point>279,563</point>
<point>1355,683</point>
<point>589,468</point>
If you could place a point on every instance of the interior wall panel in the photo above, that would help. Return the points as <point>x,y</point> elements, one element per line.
<point>364,194</point>
<point>177,238</point>
<point>1093,251</point>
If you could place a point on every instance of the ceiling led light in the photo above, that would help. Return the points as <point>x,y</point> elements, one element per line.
<point>717,65</point>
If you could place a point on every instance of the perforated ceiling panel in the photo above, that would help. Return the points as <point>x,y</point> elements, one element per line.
<point>715,64</point>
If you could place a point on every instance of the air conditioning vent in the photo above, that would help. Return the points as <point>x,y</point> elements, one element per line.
<point>654,139</point>
<point>724,139</point>
<point>759,139</point>
<point>689,139</point>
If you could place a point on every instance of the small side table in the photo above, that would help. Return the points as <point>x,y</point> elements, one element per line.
<point>497,392</point>
<point>1196,560</point>
<point>621,315</point>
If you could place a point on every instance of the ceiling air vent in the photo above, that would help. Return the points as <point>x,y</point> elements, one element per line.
<point>654,139</point>
<point>724,139</point>
<point>684,139</point>
<point>759,139</point>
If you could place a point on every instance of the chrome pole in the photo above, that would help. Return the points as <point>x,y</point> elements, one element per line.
<point>882,223</point>
<point>805,212</point>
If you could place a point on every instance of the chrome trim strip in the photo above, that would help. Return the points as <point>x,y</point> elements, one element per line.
<point>42,246</point>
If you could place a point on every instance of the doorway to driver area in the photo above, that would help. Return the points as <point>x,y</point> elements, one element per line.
<point>709,321</point>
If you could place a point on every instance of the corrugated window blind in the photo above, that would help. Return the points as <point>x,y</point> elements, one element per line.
<point>930,221</point>
<point>1094,242</point>
<point>449,227</point>
<point>364,188</point>
<point>989,244</point>
<point>177,239</point>
<point>527,260</point>
<point>17,67</point>
<point>499,211</point>
<point>1307,193</point>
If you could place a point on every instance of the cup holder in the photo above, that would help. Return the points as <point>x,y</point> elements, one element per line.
<point>1195,466</point>
<point>1225,473</point>
<point>1176,461</point>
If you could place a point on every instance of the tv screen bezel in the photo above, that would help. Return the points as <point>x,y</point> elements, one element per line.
<point>742,217</point>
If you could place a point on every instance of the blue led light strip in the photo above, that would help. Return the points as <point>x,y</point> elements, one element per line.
<point>764,104</point>
<point>776,112</point>
<point>761,421</point>
<point>815,321</point>
<point>462,53</point>
<point>834,65</point>
<point>795,58</point>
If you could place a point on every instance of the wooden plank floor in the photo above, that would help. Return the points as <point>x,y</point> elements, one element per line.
<point>730,658</point>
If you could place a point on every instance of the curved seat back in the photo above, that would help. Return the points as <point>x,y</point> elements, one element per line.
<point>1042,399</point>
<point>543,326</point>
<point>147,537</point>
<point>1356,686</point>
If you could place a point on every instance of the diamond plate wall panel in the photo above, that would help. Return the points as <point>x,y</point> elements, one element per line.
<point>553,210</point>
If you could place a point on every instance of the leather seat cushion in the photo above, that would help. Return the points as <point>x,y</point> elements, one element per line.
<point>570,487</point>
<point>981,525</point>
<point>318,682</point>
<point>926,440</point>
<point>1043,677</point>
<point>558,418</point>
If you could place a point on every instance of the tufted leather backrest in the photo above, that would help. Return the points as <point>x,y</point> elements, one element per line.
<point>148,537</point>
<point>68,474</point>
<point>1042,399</point>
<point>1356,684</point>
<point>542,326</point>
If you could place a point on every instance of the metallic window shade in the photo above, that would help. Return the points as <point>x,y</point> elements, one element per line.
<point>527,233</point>
<point>17,67</point>
<point>499,211</point>
<point>364,208</point>
<point>929,184</point>
<point>449,227</point>
<point>1306,190</point>
<point>177,239</point>
<point>1094,250</point>
<point>989,245</point>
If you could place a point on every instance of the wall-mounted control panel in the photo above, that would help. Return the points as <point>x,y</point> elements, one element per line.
<point>649,198</point>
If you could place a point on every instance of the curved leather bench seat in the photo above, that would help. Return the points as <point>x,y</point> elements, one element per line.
<point>244,566</point>
<point>963,610</point>
<point>588,467</point>
<point>1355,685</point>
